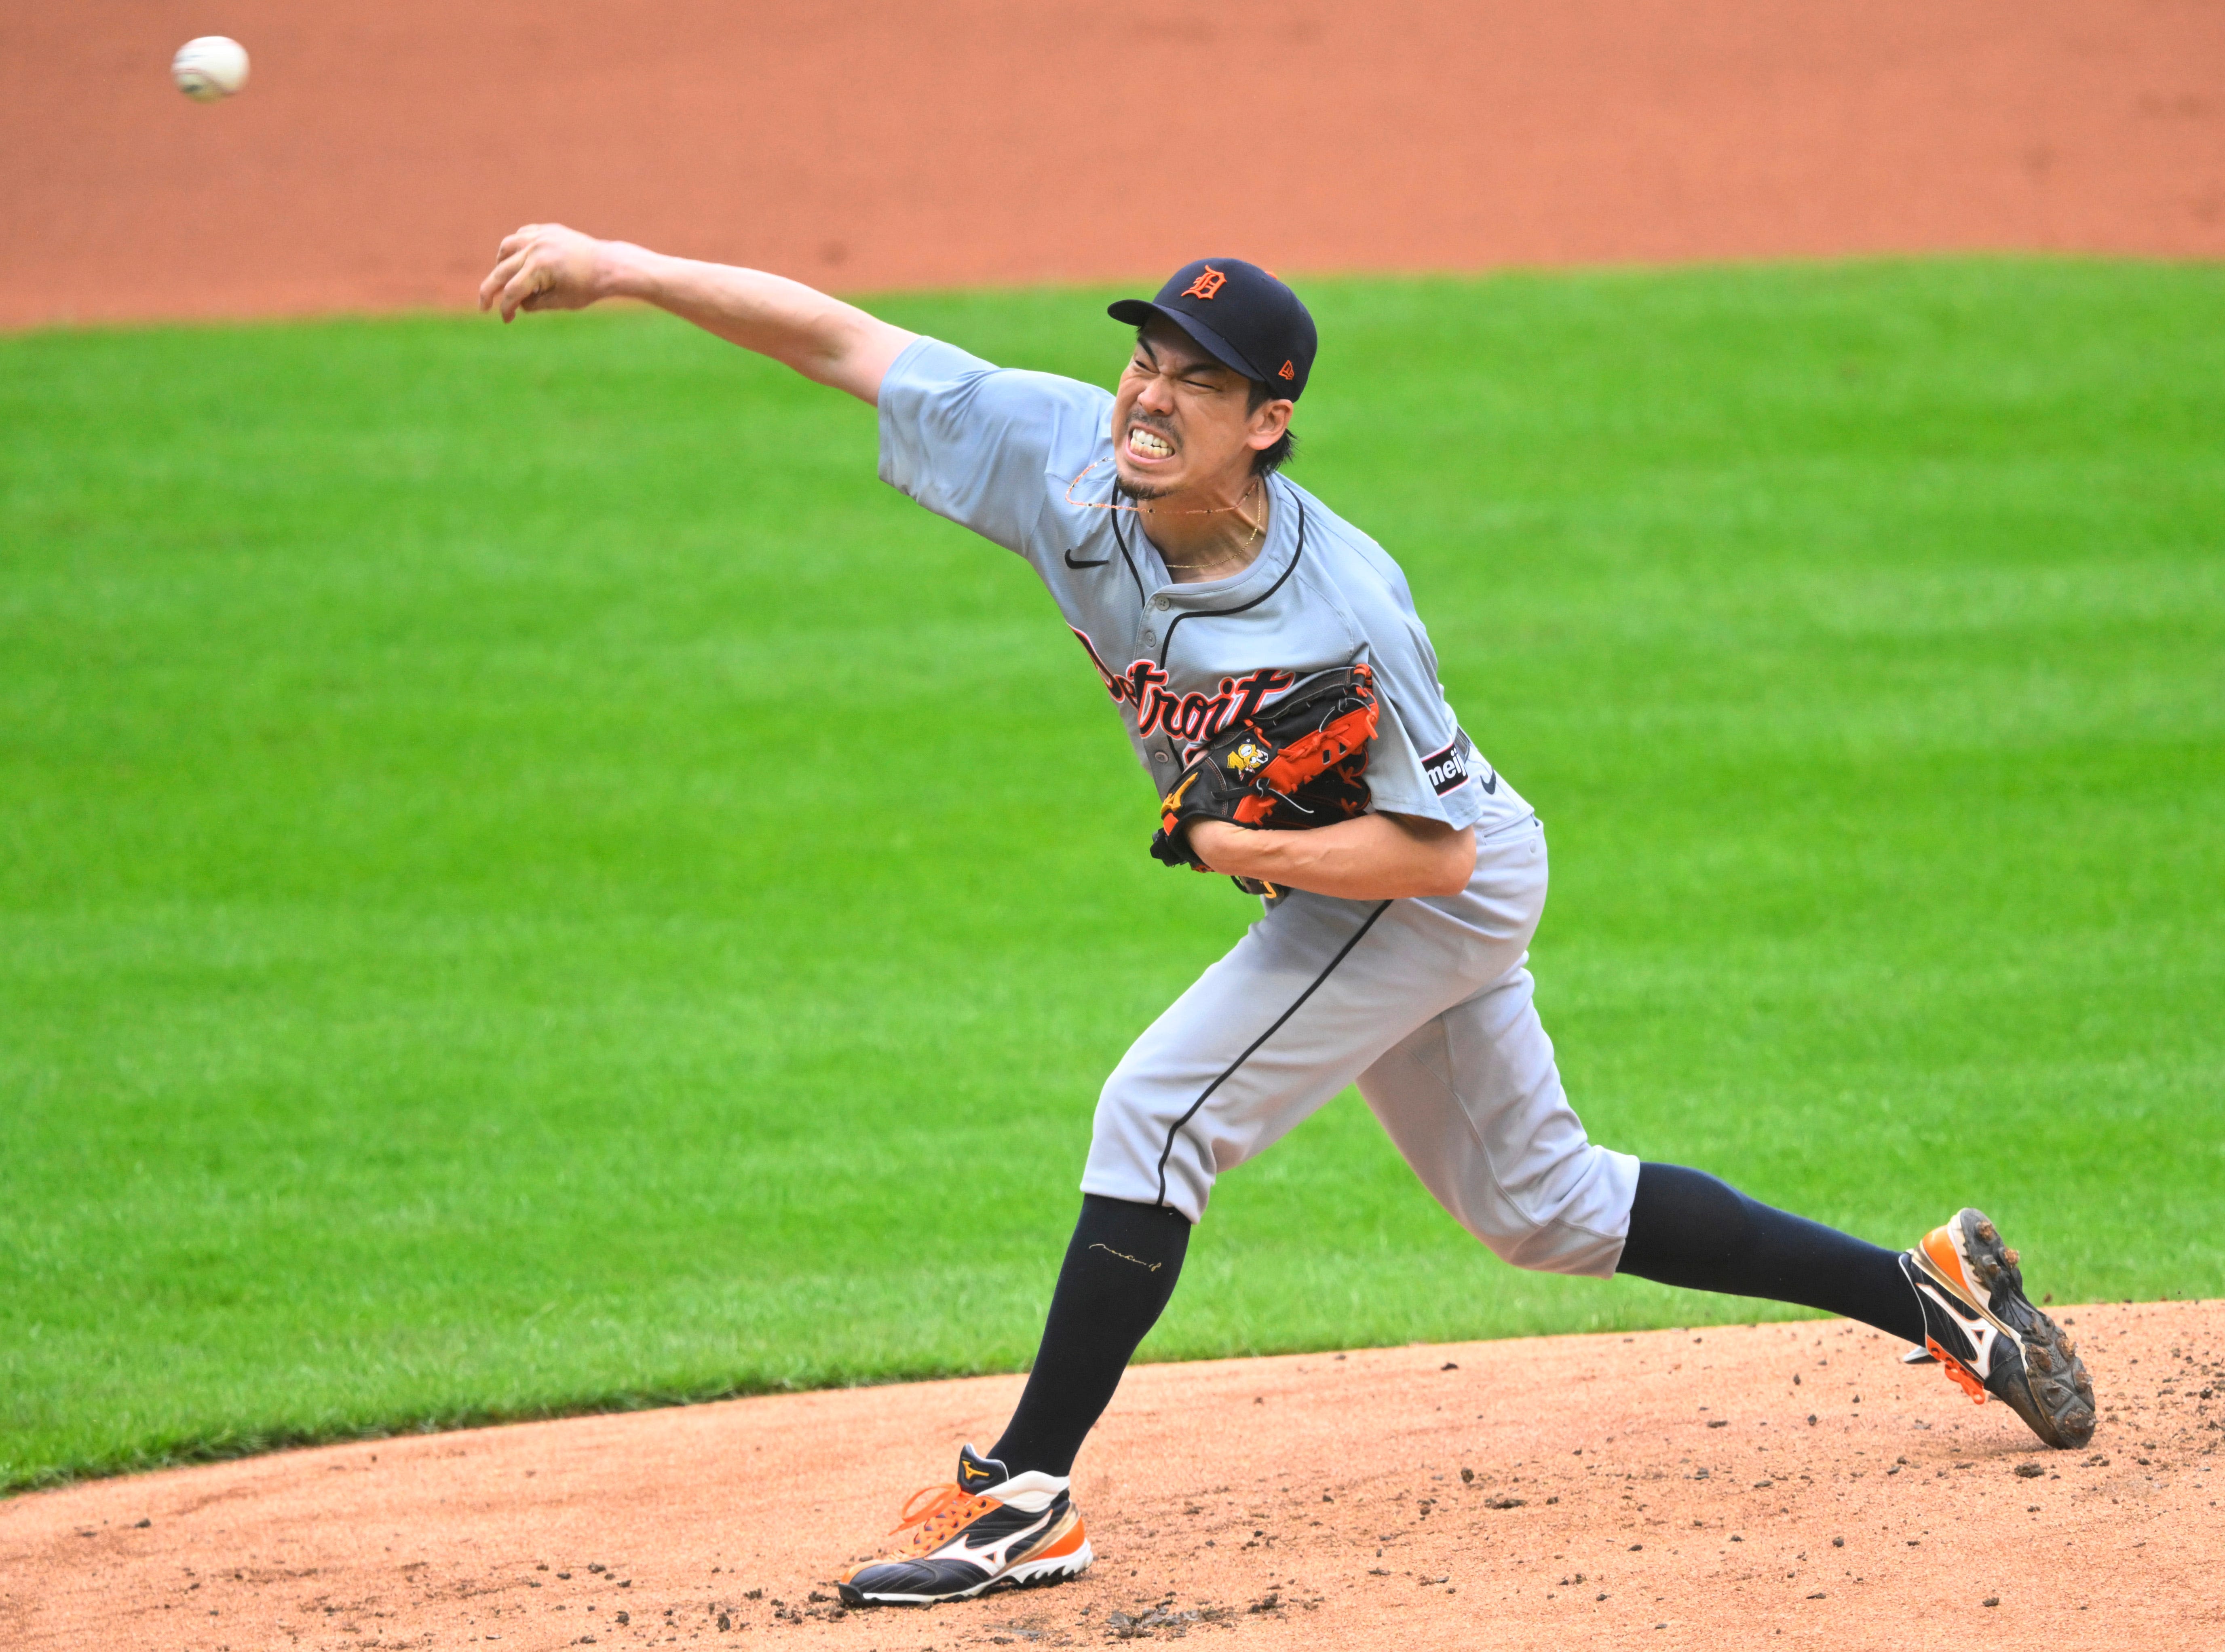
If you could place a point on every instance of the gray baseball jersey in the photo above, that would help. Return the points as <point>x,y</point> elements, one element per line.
<point>1426,1003</point>
<point>1026,460</point>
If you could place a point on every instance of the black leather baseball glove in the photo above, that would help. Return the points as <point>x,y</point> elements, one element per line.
<point>1299,764</point>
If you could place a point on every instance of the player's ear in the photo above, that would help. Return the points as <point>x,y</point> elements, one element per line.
<point>1269,420</point>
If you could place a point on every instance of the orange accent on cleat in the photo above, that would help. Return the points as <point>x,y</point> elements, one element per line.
<point>1939,1246</point>
<point>1961,1375</point>
<point>1075,1538</point>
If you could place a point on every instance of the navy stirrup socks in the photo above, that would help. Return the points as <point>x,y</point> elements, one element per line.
<point>1688,1228</point>
<point>1120,1268</point>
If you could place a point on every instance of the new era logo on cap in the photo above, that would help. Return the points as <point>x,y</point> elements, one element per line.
<point>1240,314</point>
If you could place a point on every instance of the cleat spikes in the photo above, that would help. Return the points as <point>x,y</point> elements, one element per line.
<point>1989,1339</point>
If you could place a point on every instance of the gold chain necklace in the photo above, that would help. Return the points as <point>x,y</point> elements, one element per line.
<point>1259,528</point>
<point>1114,505</point>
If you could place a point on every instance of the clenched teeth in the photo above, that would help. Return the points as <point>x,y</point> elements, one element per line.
<point>1148,443</point>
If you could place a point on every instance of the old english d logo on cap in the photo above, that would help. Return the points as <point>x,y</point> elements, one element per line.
<point>1238,313</point>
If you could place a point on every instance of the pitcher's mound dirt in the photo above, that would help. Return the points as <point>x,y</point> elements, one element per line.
<point>1674,1488</point>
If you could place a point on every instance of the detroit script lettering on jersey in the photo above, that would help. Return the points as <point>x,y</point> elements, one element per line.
<point>1027,460</point>
<point>1192,718</point>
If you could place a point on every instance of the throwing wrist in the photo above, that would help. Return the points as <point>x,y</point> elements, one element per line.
<point>625,270</point>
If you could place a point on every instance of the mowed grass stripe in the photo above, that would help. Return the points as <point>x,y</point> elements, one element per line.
<point>530,882</point>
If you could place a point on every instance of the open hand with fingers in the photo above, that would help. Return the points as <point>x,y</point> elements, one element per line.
<point>548,267</point>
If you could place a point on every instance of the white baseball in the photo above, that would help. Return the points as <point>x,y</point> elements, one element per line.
<point>210,68</point>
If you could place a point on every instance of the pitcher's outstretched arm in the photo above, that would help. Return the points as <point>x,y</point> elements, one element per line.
<point>552,266</point>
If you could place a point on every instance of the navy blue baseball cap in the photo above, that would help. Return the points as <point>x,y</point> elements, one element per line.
<point>1240,315</point>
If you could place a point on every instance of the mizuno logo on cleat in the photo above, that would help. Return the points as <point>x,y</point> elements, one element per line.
<point>991,1542</point>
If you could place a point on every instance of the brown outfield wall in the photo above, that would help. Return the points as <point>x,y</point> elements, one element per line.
<point>384,145</point>
<point>1776,1486</point>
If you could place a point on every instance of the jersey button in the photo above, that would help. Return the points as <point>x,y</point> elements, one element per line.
<point>1159,603</point>
<point>1150,639</point>
<point>1160,757</point>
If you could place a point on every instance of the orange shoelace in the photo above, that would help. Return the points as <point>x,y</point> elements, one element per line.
<point>947,1510</point>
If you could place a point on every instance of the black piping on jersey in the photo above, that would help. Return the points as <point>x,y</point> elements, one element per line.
<point>1229,1072</point>
<point>1120,537</point>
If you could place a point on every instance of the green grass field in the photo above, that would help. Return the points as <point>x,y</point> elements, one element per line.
<point>530,882</point>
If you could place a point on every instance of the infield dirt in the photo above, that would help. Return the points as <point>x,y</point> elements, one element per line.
<point>383,147</point>
<point>1666,1488</point>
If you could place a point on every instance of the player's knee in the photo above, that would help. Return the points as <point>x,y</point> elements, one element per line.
<point>1569,1218</point>
<point>1137,1155</point>
<point>1121,1116</point>
<point>1557,1247</point>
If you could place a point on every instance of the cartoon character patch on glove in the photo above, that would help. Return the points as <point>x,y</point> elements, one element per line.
<point>1298,764</point>
<point>1249,757</point>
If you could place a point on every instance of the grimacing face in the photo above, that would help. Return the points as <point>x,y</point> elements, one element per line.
<point>1180,421</point>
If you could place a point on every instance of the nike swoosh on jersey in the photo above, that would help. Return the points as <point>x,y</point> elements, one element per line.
<point>1071,563</point>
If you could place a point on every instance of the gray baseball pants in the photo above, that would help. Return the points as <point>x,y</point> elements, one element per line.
<point>1428,1005</point>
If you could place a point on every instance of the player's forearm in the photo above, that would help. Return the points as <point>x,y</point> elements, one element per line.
<point>1374,858</point>
<point>820,336</point>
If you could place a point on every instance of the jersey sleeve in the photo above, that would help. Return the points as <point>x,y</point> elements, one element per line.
<point>979,444</point>
<point>1421,764</point>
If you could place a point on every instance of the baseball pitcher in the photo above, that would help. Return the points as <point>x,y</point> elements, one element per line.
<point>1266,660</point>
